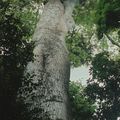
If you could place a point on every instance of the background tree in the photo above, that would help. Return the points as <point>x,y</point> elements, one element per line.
<point>17,21</point>
<point>79,46</point>
<point>80,40</point>
<point>107,19</point>
<point>82,107</point>
<point>104,87</point>
<point>107,15</point>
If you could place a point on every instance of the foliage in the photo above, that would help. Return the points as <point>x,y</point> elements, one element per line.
<point>104,87</point>
<point>17,22</point>
<point>82,107</point>
<point>107,15</point>
<point>84,13</point>
<point>79,47</point>
<point>79,41</point>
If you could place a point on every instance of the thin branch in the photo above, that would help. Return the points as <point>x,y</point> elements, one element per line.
<point>112,41</point>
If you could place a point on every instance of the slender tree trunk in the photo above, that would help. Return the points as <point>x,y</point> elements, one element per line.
<point>44,90</point>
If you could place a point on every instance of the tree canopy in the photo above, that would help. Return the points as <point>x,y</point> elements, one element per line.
<point>97,22</point>
<point>17,22</point>
<point>104,87</point>
<point>82,106</point>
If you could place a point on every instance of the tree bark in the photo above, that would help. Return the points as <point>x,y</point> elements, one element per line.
<point>44,89</point>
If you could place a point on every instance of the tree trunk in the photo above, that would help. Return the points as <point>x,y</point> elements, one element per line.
<point>44,90</point>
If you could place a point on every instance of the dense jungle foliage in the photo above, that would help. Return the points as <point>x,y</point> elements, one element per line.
<point>97,29</point>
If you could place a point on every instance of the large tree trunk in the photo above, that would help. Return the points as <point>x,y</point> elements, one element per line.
<point>45,87</point>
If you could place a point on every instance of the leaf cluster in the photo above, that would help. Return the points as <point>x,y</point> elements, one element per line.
<point>107,16</point>
<point>17,22</point>
<point>84,13</point>
<point>104,87</point>
<point>82,107</point>
<point>79,47</point>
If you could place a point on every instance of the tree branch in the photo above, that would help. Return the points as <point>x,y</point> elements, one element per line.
<point>69,7</point>
<point>112,41</point>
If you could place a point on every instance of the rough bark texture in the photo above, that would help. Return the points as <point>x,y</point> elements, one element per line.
<point>44,91</point>
<point>45,88</point>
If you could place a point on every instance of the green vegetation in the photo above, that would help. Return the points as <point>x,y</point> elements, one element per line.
<point>107,16</point>
<point>17,23</point>
<point>79,47</point>
<point>82,107</point>
<point>85,13</point>
<point>104,87</point>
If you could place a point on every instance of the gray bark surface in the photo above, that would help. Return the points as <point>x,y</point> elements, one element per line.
<point>45,88</point>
